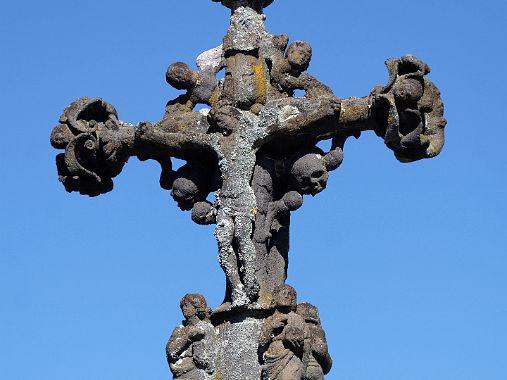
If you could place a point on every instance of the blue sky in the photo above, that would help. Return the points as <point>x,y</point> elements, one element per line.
<point>406,262</point>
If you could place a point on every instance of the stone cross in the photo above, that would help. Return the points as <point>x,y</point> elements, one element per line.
<point>255,148</point>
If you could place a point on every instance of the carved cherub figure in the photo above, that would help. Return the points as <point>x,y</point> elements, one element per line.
<point>191,350</point>
<point>316,359</point>
<point>282,338</point>
<point>288,74</point>
<point>202,87</point>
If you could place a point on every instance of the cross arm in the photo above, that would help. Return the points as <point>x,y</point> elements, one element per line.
<point>157,140</point>
<point>319,114</point>
<point>325,117</point>
<point>407,113</point>
<point>97,144</point>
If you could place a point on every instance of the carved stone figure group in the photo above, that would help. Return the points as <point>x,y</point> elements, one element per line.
<point>291,344</point>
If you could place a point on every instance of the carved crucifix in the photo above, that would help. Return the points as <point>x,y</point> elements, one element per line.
<point>255,148</point>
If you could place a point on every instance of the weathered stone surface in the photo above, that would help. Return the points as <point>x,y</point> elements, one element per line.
<point>237,357</point>
<point>254,146</point>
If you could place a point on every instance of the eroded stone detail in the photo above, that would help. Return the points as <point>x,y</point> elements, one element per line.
<point>251,155</point>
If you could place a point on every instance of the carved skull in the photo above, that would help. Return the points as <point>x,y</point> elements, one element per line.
<point>309,173</point>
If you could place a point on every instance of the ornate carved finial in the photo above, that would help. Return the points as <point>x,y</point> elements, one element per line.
<point>254,4</point>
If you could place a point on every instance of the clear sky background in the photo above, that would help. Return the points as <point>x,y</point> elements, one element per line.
<point>406,262</point>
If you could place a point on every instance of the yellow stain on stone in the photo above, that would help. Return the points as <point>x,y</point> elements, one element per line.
<point>214,96</point>
<point>260,82</point>
<point>98,131</point>
<point>265,297</point>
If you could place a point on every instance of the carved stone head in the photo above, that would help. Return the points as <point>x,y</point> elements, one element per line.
<point>180,76</point>
<point>184,193</point>
<point>194,305</point>
<point>189,186</point>
<point>308,312</point>
<point>299,55</point>
<point>308,173</point>
<point>284,297</point>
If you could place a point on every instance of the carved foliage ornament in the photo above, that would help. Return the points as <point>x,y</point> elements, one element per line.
<point>96,145</point>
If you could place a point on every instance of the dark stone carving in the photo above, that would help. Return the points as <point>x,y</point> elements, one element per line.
<point>409,111</point>
<point>316,359</point>
<point>254,145</point>
<point>192,184</point>
<point>292,343</point>
<point>308,172</point>
<point>234,4</point>
<point>96,145</point>
<point>191,350</point>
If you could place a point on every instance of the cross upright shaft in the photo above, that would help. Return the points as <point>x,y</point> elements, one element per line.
<point>255,147</point>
